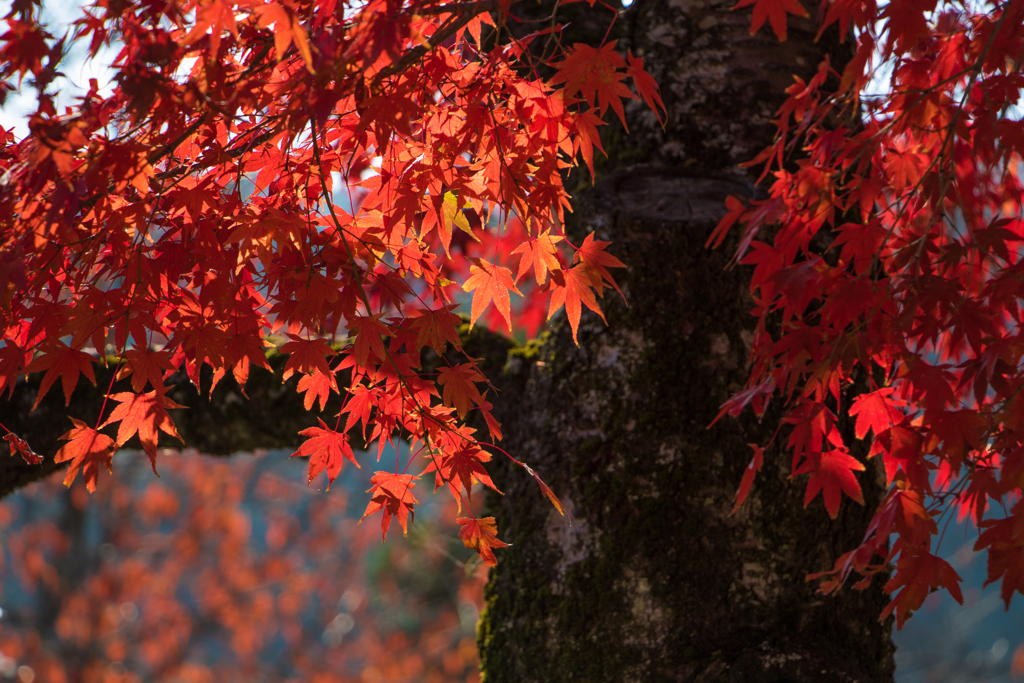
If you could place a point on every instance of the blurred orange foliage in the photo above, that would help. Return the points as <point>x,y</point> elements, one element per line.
<point>228,570</point>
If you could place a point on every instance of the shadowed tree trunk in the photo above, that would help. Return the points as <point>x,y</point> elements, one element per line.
<point>654,580</point>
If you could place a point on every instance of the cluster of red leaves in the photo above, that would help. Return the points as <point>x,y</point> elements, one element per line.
<point>887,265</point>
<point>322,176</point>
<point>222,571</point>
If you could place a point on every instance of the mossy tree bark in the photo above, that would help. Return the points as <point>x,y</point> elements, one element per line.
<point>654,579</point>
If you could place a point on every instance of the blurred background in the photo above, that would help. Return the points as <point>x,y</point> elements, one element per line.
<point>230,569</point>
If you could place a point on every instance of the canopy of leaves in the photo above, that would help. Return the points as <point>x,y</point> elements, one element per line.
<point>322,178</point>
<point>889,289</point>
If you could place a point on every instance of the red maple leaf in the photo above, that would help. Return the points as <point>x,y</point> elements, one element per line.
<point>876,411</point>
<point>60,360</point>
<point>145,366</point>
<point>392,493</point>
<point>317,386</point>
<point>460,388</point>
<point>490,283</point>
<point>460,469</point>
<point>773,11</point>
<point>592,254</point>
<point>327,450</point>
<point>481,535</point>
<point>571,288</point>
<point>87,449</point>
<point>1004,539</point>
<point>748,476</point>
<point>144,414</point>
<point>541,254</point>
<point>832,474</point>
<point>307,355</point>
<point>917,572</point>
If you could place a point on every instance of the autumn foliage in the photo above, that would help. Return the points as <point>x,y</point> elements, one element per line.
<point>323,178</point>
<point>334,179</point>
<point>227,570</point>
<point>887,261</point>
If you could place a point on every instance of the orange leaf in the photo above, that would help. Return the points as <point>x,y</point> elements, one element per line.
<point>307,355</point>
<point>491,283</point>
<point>64,362</point>
<point>481,535</point>
<point>327,450</point>
<point>541,254</point>
<point>436,328</point>
<point>369,333</point>
<point>87,449</point>
<point>547,492</point>
<point>592,254</point>
<point>145,414</point>
<point>571,287</point>
<point>145,365</point>
<point>459,387</point>
<point>392,493</point>
<point>645,85</point>
<point>317,386</point>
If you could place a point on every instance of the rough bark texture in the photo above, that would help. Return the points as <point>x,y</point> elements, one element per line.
<point>654,579</point>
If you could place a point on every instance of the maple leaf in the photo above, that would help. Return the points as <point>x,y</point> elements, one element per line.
<point>327,450</point>
<point>214,18</point>
<point>449,215</point>
<point>435,328</point>
<point>546,491</point>
<point>145,414</point>
<point>360,401</point>
<point>459,387</point>
<point>1004,539</point>
<point>460,468</point>
<point>571,288</point>
<point>540,254</point>
<point>646,86</point>
<point>369,333</point>
<point>87,449</point>
<point>490,283</point>
<point>481,535</point>
<point>307,355</point>
<point>392,494</point>
<point>876,411</point>
<point>317,386</point>
<point>60,360</point>
<point>20,446</point>
<point>286,31</point>
<point>917,572</point>
<point>748,476</point>
<point>773,11</point>
<point>832,474</point>
<point>145,366</point>
<point>592,254</point>
<point>595,72</point>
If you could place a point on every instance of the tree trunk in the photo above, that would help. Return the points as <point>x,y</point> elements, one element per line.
<point>654,579</point>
